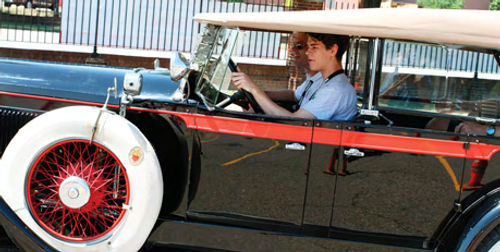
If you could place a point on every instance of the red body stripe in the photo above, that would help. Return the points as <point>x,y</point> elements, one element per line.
<point>417,145</point>
<point>254,128</point>
<point>481,151</point>
<point>327,136</point>
<point>285,132</point>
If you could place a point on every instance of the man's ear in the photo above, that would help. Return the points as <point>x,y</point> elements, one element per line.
<point>333,50</point>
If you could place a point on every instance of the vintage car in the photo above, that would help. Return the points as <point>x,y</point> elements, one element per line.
<point>108,159</point>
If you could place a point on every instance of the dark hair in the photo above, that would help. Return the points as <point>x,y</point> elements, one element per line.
<point>329,40</point>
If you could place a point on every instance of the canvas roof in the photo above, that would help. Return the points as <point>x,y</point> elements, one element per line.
<point>465,27</point>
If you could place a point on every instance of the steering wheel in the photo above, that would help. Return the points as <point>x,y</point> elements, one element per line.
<point>249,97</point>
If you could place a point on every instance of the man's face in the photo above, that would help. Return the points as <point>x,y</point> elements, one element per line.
<point>318,56</point>
<point>299,50</point>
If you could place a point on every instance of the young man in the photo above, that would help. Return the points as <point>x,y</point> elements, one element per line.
<point>330,98</point>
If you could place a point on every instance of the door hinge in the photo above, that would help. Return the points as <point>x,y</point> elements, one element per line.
<point>466,145</point>
<point>457,206</point>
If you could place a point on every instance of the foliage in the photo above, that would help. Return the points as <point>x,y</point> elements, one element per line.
<point>495,5</point>
<point>442,4</point>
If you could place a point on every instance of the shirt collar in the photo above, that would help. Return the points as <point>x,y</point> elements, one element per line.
<point>314,78</point>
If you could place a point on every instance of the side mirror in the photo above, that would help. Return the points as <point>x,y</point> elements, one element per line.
<point>179,67</point>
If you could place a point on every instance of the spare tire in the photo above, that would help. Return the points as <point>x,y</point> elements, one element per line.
<point>82,196</point>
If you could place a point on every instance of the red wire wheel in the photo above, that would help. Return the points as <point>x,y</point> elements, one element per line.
<point>77,191</point>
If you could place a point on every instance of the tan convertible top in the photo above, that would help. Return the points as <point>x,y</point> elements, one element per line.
<point>466,27</point>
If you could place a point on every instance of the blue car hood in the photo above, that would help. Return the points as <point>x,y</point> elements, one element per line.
<point>78,82</point>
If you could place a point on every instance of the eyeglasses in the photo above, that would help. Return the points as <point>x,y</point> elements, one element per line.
<point>300,46</point>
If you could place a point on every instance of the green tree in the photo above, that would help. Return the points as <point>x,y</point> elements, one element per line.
<point>442,4</point>
<point>495,5</point>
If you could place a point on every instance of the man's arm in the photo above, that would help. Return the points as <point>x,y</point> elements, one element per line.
<point>438,124</point>
<point>474,128</point>
<point>271,108</point>
<point>285,95</point>
<point>242,81</point>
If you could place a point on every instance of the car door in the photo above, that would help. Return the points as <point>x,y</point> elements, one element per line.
<point>400,183</point>
<point>253,169</point>
<point>404,163</point>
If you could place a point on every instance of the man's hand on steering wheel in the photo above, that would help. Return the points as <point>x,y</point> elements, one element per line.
<point>246,87</point>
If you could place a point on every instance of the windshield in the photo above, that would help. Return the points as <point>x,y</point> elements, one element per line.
<point>439,79</point>
<point>211,56</point>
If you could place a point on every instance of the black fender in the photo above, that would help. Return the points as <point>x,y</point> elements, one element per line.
<point>194,176</point>
<point>485,219</point>
<point>171,148</point>
<point>471,219</point>
<point>14,225</point>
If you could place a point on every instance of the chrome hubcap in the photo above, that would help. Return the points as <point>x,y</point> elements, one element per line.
<point>74,192</point>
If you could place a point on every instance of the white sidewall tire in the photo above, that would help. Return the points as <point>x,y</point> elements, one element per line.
<point>116,134</point>
<point>496,247</point>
